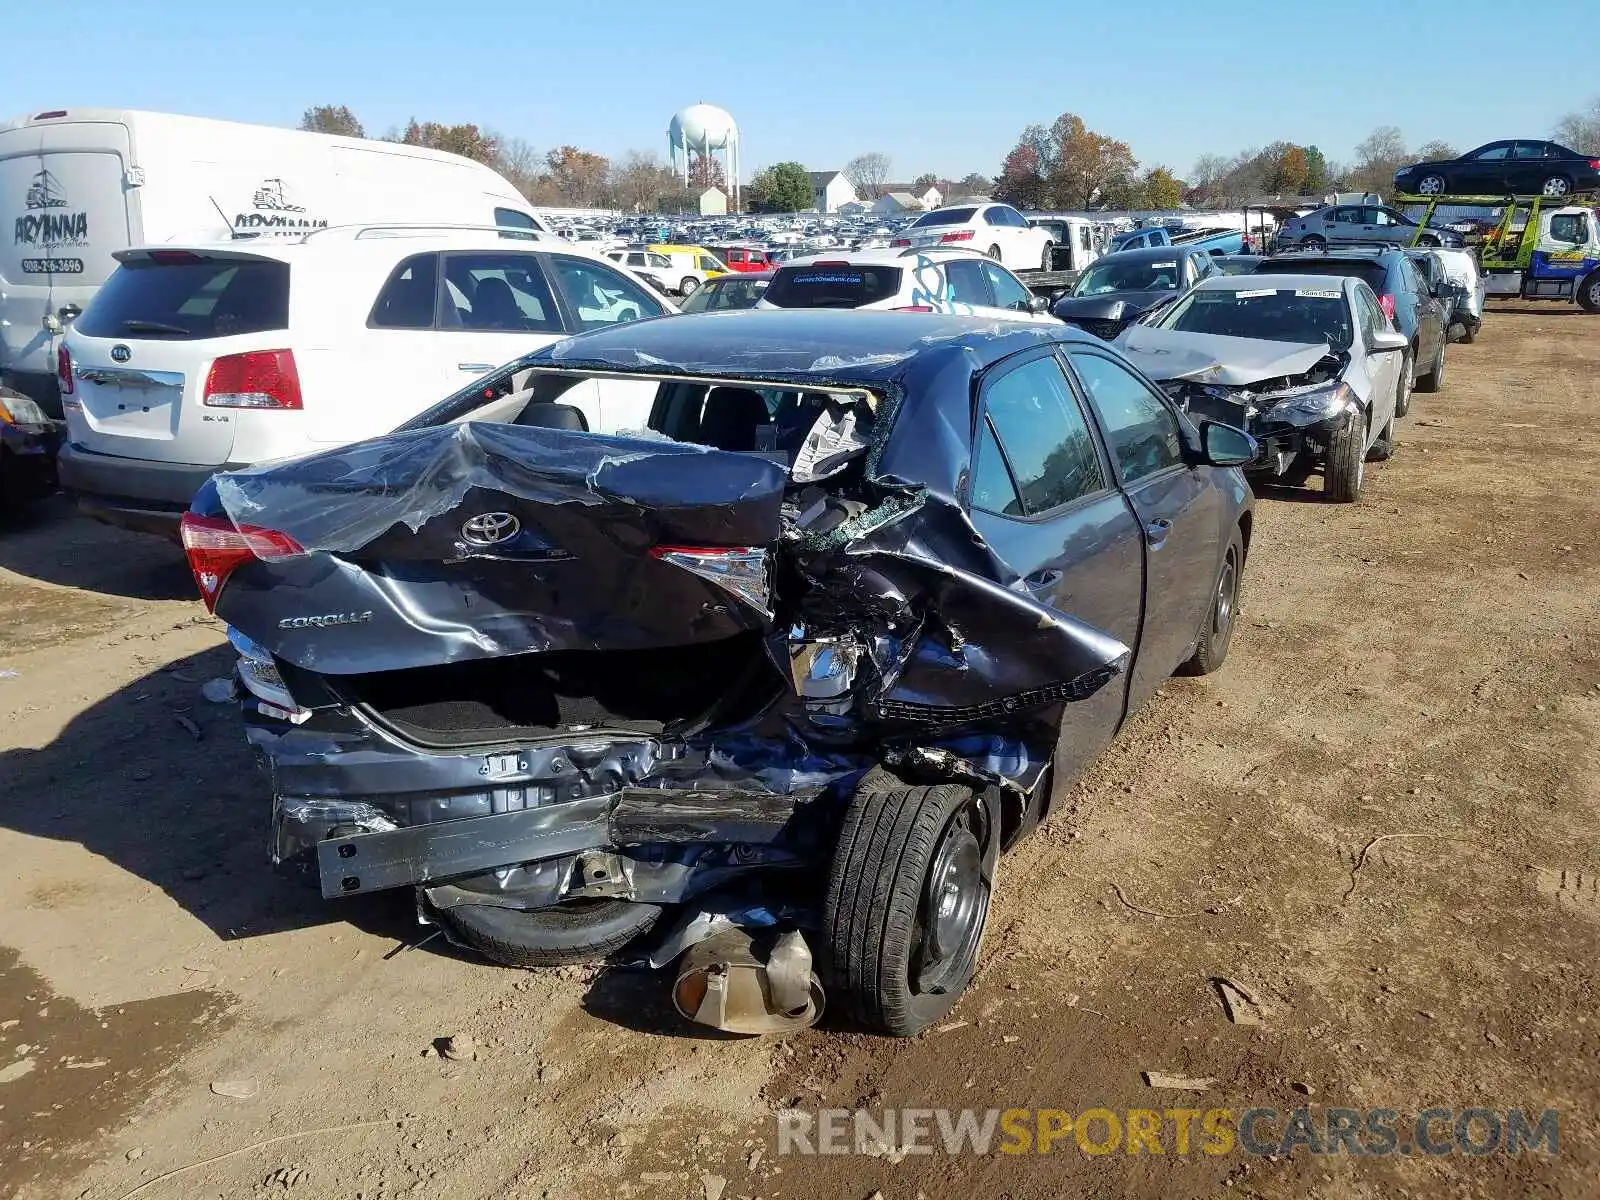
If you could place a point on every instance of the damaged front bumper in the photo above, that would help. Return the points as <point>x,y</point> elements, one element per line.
<point>1285,425</point>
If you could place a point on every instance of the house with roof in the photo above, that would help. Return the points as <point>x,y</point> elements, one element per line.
<point>897,203</point>
<point>830,190</point>
<point>930,197</point>
<point>713,202</point>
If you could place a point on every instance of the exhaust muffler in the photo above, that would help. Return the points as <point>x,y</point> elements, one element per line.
<point>752,985</point>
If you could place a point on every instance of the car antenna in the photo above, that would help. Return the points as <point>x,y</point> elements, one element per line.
<point>233,234</point>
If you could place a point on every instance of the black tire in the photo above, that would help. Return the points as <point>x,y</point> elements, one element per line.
<point>1408,381</point>
<point>687,286</point>
<point>1216,633</point>
<point>575,932</point>
<point>1469,332</point>
<point>882,949</point>
<point>1345,472</point>
<point>1589,293</point>
<point>1556,186</point>
<point>1427,239</point>
<point>1434,379</point>
<point>1314,243</point>
<point>1438,187</point>
<point>1045,258</point>
<point>1383,449</point>
<point>994,253</point>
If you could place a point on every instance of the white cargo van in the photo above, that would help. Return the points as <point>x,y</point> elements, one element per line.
<point>76,185</point>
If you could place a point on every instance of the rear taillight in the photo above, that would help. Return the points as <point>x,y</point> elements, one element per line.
<point>960,235</point>
<point>1386,302</point>
<point>216,548</point>
<point>256,379</point>
<point>1594,164</point>
<point>64,370</point>
<point>900,242</point>
<point>739,570</point>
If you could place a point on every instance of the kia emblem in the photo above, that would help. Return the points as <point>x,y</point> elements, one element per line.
<point>120,353</point>
<point>490,529</point>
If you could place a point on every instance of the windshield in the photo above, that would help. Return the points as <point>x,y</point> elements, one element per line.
<point>945,216</point>
<point>1136,275</point>
<point>1265,314</point>
<point>725,293</point>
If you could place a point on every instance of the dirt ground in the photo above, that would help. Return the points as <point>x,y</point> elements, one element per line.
<point>1425,663</point>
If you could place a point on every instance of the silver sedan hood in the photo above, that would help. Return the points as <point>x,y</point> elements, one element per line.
<point>1166,354</point>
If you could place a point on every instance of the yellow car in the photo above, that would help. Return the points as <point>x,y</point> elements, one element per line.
<point>692,265</point>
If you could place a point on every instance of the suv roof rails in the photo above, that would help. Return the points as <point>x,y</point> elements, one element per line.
<point>375,229</point>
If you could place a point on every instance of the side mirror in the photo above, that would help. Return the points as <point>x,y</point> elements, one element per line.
<point>1225,446</point>
<point>1386,341</point>
<point>1038,304</point>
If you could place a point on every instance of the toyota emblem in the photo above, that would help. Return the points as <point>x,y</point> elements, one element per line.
<point>490,529</point>
<point>120,353</point>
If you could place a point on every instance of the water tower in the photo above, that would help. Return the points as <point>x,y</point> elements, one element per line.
<point>704,129</point>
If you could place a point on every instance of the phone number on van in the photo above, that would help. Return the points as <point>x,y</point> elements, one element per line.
<point>52,266</point>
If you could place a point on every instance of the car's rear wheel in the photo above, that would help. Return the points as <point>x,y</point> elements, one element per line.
<point>908,900</point>
<point>1211,650</point>
<point>1314,243</point>
<point>574,932</point>
<point>1345,472</point>
<point>994,253</point>
<point>687,285</point>
<point>1404,388</point>
<point>1044,259</point>
<point>1434,379</point>
<point>1431,185</point>
<point>1557,185</point>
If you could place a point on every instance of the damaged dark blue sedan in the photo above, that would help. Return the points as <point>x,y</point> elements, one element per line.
<point>763,689</point>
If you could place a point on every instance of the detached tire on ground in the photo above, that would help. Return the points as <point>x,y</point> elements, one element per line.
<point>1345,471</point>
<point>575,932</point>
<point>907,901</point>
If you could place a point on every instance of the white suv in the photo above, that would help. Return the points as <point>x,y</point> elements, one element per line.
<point>196,359</point>
<point>958,282</point>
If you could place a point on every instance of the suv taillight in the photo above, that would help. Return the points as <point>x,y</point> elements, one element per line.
<point>1386,302</point>
<point>255,379</point>
<point>64,369</point>
<point>216,548</point>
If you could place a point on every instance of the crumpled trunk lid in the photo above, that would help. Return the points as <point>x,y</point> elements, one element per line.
<point>479,540</point>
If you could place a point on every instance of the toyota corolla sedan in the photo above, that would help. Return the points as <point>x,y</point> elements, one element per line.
<point>763,689</point>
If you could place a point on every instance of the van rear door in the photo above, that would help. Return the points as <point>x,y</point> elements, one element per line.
<point>66,200</point>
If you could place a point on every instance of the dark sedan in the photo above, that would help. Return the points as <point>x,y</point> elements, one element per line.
<point>808,652</point>
<point>1521,168</point>
<point>1117,289</point>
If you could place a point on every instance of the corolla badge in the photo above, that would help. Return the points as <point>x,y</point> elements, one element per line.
<point>120,353</point>
<point>490,529</point>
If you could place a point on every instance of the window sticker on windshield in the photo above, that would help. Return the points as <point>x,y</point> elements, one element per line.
<point>1256,293</point>
<point>1162,266</point>
<point>1317,293</point>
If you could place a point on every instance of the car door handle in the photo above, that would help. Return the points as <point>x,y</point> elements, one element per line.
<point>1156,531</point>
<point>1043,579</point>
<point>478,367</point>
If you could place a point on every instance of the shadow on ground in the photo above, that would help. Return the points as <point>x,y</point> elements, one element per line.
<point>160,782</point>
<point>53,543</point>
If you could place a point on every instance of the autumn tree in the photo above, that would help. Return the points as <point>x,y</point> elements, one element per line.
<point>782,187</point>
<point>640,180</point>
<point>579,176</point>
<point>1433,151</point>
<point>517,160</point>
<point>330,118</point>
<point>1085,161</point>
<point>974,184</point>
<point>1021,183</point>
<point>1161,189</point>
<point>868,173</point>
<point>1580,130</point>
<point>465,140</point>
<point>1290,171</point>
<point>705,171</point>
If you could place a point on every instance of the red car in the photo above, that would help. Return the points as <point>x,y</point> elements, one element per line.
<point>743,258</point>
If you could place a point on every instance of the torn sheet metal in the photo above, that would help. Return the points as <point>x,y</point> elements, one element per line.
<point>1213,358</point>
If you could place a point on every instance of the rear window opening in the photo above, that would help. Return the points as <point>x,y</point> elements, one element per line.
<point>944,216</point>
<point>816,285</point>
<point>525,696</point>
<point>189,300</point>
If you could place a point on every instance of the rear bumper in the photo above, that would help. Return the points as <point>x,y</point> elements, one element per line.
<point>132,493</point>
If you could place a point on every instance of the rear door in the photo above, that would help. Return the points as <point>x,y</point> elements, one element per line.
<point>1178,509</point>
<point>65,192</point>
<point>1041,495</point>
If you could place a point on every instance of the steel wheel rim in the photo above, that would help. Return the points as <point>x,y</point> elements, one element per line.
<point>1594,293</point>
<point>955,908</point>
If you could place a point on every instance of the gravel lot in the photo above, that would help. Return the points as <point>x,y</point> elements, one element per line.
<point>1426,664</point>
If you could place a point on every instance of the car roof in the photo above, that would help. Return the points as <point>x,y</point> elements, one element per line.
<point>845,347</point>
<point>1344,253</point>
<point>379,240</point>
<point>1265,280</point>
<point>881,256</point>
<point>1147,253</point>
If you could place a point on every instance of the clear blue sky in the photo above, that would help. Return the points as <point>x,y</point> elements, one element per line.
<point>940,85</point>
